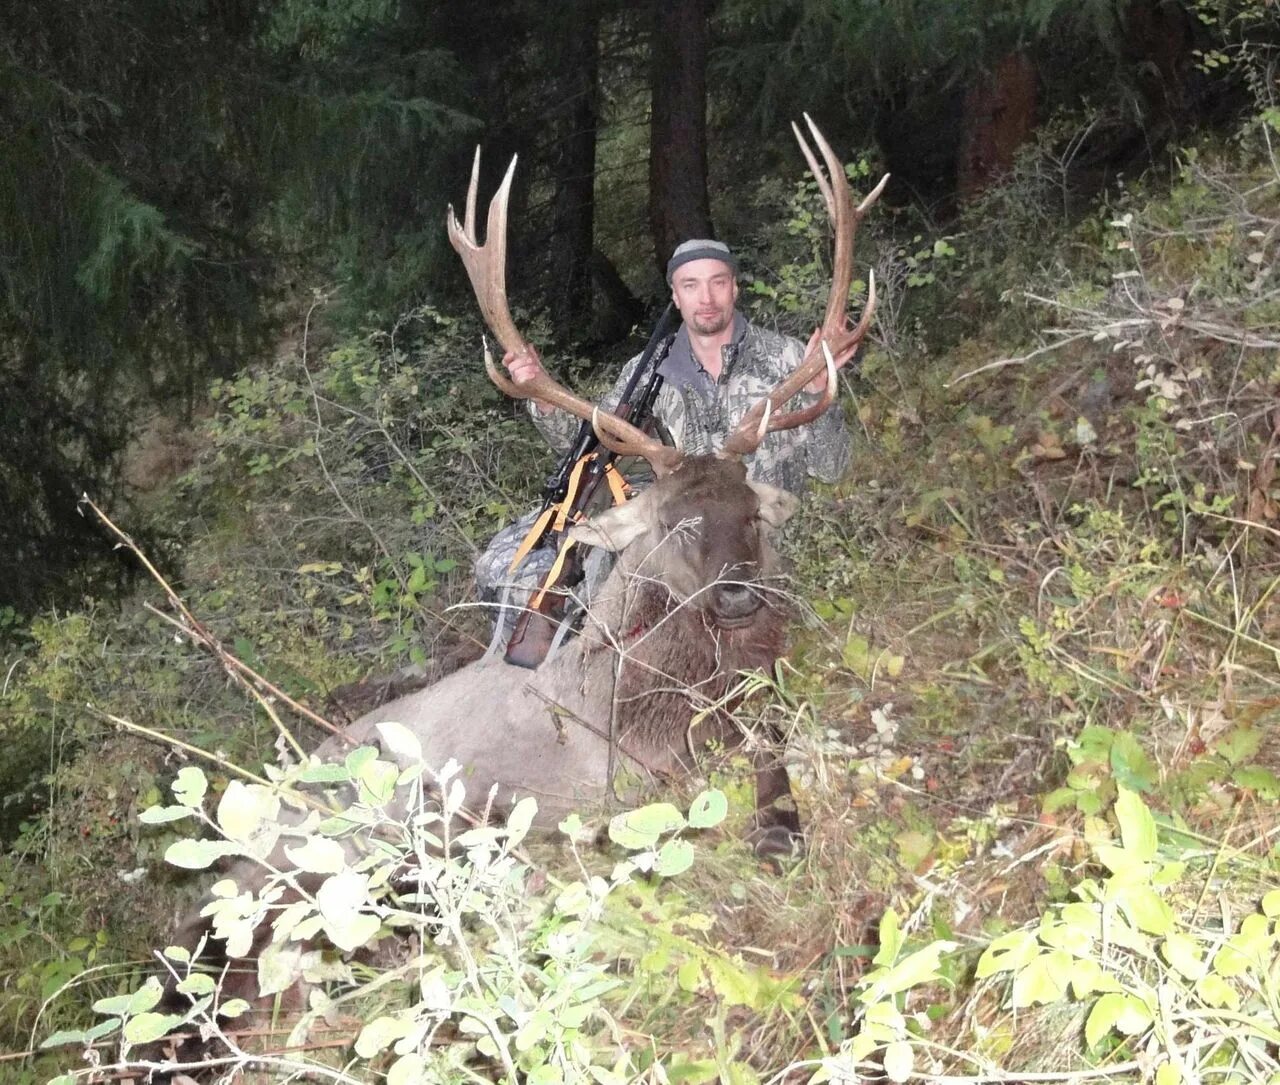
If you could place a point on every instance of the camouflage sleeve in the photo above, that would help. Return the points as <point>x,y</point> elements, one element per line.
<point>827,445</point>
<point>558,427</point>
<point>825,440</point>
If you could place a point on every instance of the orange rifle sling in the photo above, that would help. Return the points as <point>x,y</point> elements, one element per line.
<point>553,575</point>
<point>571,491</point>
<point>560,512</point>
<point>535,533</point>
<point>617,485</point>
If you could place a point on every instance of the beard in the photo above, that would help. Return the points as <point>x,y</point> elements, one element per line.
<point>712,324</point>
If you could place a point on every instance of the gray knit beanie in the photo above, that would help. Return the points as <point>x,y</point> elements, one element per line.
<point>701,249</point>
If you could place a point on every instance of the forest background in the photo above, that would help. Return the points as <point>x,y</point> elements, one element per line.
<point>230,316</point>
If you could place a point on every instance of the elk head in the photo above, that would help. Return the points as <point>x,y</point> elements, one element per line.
<point>701,532</point>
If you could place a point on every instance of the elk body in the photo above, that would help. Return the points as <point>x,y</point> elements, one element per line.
<point>691,602</point>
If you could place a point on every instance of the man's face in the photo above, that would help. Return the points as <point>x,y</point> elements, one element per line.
<point>705,292</point>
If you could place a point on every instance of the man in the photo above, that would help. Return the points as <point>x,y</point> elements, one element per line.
<point>718,366</point>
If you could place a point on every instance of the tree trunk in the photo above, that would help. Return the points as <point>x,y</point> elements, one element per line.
<point>572,236</point>
<point>679,207</point>
<point>999,117</point>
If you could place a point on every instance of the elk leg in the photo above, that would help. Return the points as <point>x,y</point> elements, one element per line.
<point>777,822</point>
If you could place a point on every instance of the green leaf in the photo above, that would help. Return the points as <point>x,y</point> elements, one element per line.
<point>1183,954</point>
<point>197,854</point>
<point>1043,980</point>
<point>1259,779</point>
<point>1146,909</point>
<point>144,998</point>
<point>1168,1073</point>
<point>638,829</point>
<point>234,1007</point>
<point>190,786</point>
<point>1271,904</point>
<point>1010,951</point>
<point>324,773</point>
<point>1217,992</point>
<point>890,939</point>
<point>61,1038</point>
<point>1137,826</point>
<point>708,809</point>
<point>916,968</point>
<point>1122,1012</point>
<point>674,857</point>
<point>1130,764</point>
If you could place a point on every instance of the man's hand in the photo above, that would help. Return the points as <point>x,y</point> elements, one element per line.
<point>819,383</point>
<point>524,367</point>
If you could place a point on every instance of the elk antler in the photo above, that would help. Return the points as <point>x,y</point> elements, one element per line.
<point>486,268</point>
<point>767,416</point>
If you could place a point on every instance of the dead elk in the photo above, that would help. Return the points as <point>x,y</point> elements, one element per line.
<point>691,602</point>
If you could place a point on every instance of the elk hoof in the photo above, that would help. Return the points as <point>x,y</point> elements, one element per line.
<point>775,842</point>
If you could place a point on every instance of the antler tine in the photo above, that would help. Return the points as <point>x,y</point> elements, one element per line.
<point>486,268</point>
<point>766,415</point>
<point>473,190</point>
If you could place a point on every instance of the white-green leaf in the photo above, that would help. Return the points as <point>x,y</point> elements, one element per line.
<point>197,854</point>
<point>520,819</point>
<point>160,815</point>
<point>708,809</point>
<point>233,1007</point>
<point>279,968</point>
<point>898,1060</point>
<point>410,1069</point>
<point>379,1034</point>
<point>674,857</point>
<point>190,786</point>
<point>244,807</point>
<point>637,829</point>
<point>400,742</point>
<point>150,1026</point>
<point>198,983</point>
<point>319,855</point>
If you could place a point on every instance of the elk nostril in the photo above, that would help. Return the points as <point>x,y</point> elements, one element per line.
<point>735,600</point>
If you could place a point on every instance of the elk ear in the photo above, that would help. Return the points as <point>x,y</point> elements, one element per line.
<point>614,529</point>
<point>776,505</point>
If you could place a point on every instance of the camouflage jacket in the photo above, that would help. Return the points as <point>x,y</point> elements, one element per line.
<point>697,412</point>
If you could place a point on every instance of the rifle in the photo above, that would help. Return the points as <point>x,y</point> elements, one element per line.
<point>567,495</point>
